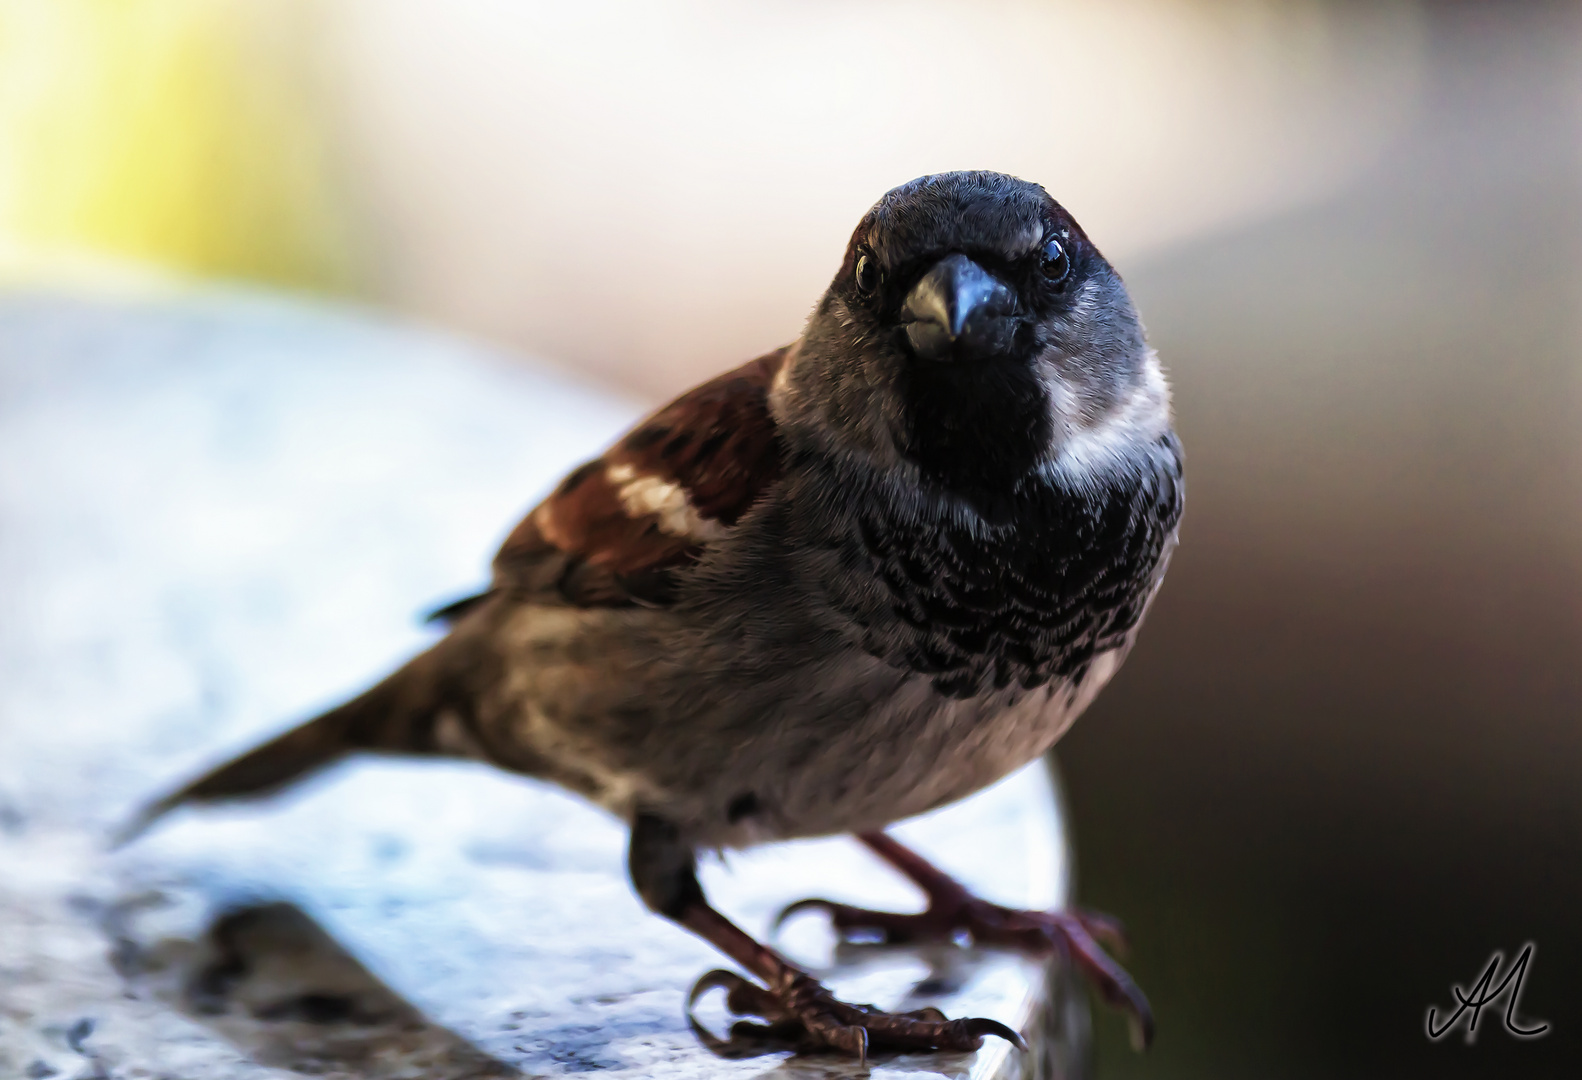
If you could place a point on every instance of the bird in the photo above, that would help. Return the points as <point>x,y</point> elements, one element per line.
<point>855,579</point>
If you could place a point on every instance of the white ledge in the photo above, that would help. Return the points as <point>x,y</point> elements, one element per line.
<point>229,510</point>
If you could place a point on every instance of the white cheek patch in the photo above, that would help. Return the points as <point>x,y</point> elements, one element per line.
<point>1113,440</point>
<point>782,380</point>
<point>665,500</point>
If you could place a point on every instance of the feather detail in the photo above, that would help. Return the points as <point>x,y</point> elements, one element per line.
<point>615,527</point>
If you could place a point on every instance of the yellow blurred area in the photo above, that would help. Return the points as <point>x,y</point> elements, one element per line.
<point>175,131</point>
<point>647,192</point>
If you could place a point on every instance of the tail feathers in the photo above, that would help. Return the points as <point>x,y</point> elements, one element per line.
<point>397,715</point>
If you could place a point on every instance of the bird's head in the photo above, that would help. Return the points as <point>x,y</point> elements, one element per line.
<point>974,332</point>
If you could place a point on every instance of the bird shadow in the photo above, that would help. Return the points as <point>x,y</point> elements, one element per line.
<point>268,980</point>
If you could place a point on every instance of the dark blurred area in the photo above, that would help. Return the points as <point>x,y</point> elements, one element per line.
<point>1342,765</point>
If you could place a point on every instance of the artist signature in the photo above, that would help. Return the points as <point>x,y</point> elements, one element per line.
<point>1470,1002</point>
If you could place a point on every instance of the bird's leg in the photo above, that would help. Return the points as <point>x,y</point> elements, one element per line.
<point>797,1007</point>
<point>952,910</point>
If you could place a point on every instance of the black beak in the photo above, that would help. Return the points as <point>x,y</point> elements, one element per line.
<point>959,311</point>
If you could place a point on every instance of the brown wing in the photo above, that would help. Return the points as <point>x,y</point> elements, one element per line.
<point>617,526</point>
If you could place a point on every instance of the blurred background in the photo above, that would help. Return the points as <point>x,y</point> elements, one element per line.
<point>1343,764</point>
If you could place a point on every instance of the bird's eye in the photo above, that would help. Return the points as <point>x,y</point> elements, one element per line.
<point>1056,264</point>
<point>867,275</point>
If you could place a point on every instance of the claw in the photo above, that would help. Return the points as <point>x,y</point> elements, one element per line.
<point>852,1039</point>
<point>1140,1029</point>
<point>742,996</point>
<point>844,919</point>
<point>979,1026</point>
<point>810,904</point>
<point>718,979</point>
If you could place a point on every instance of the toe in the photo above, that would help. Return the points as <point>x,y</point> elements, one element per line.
<point>802,1013</point>
<point>1111,981</point>
<point>845,920</point>
<point>1106,928</point>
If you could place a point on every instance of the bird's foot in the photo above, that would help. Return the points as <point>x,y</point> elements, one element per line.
<point>800,1012</point>
<point>1073,933</point>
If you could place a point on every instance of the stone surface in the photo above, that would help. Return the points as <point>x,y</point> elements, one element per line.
<point>220,512</point>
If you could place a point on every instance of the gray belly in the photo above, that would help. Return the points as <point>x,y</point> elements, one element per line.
<point>615,706</point>
<point>911,752</point>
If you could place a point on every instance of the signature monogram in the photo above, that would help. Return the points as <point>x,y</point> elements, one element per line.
<point>1472,1000</point>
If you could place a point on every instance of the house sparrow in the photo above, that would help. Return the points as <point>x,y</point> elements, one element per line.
<point>855,579</point>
